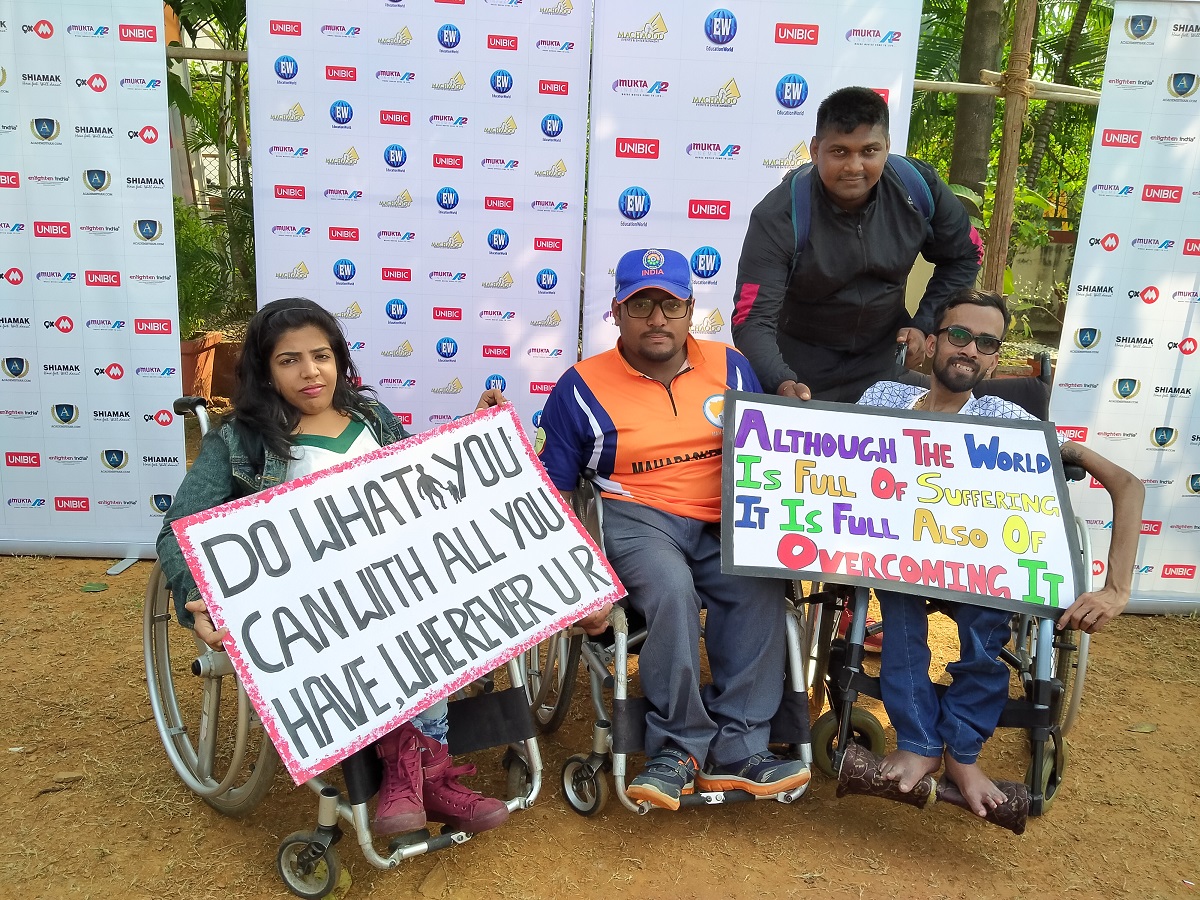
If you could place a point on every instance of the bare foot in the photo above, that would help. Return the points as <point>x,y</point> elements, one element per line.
<point>979,791</point>
<point>908,768</point>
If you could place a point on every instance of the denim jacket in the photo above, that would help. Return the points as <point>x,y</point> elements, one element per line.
<point>224,471</point>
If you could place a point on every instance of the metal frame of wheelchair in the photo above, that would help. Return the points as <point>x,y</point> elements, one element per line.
<point>223,755</point>
<point>619,728</point>
<point>1051,667</point>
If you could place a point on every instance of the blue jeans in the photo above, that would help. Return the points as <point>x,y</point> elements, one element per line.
<point>671,566</point>
<point>433,722</point>
<point>970,708</point>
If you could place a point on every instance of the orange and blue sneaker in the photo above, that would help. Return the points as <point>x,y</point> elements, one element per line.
<point>667,777</point>
<point>763,775</point>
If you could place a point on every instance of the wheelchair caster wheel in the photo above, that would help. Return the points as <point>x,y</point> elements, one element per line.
<point>585,788</point>
<point>1054,764</point>
<point>518,775</point>
<point>865,730</point>
<point>305,876</point>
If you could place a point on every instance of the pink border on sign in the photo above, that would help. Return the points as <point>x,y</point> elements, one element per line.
<point>301,771</point>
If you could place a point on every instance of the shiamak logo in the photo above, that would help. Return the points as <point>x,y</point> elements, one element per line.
<point>1124,388</point>
<point>651,33</point>
<point>1108,243</point>
<point>1104,291</point>
<point>727,95</point>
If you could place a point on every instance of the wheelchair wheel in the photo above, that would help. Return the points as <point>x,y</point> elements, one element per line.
<point>550,669</point>
<point>307,878</point>
<point>211,734</point>
<point>1053,769</point>
<point>865,731</point>
<point>586,789</point>
<point>517,772</point>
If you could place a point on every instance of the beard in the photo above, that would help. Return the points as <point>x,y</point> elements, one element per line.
<point>957,380</point>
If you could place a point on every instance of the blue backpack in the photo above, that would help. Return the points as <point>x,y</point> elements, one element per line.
<point>919,196</point>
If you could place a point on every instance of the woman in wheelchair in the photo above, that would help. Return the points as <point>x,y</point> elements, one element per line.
<point>298,408</point>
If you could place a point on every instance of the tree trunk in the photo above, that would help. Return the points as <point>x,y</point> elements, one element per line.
<point>1041,133</point>
<point>983,33</point>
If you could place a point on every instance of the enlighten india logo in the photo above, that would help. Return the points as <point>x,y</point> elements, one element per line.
<point>653,31</point>
<point>728,95</point>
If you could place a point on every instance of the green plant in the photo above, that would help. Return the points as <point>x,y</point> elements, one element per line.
<point>202,266</point>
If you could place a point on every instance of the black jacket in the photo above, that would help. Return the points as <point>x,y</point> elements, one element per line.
<point>847,292</point>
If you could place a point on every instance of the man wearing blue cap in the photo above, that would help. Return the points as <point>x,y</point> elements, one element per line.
<point>646,417</point>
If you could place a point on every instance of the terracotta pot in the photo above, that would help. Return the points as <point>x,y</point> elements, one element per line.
<point>225,368</point>
<point>196,364</point>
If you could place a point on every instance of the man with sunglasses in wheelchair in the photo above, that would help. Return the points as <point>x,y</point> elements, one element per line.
<point>964,348</point>
<point>646,418</point>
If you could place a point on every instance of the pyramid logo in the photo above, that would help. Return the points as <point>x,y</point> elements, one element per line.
<point>508,126</point>
<point>795,158</point>
<point>504,282</point>
<point>349,158</point>
<point>404,350</point>
<point>299,273</point>
<point>558,170</point>
<point>401,38</point>
<point>710,324</point>
<point>653,31</point>
<point>561,8</point>
<point>551,321</point>
<point>294,114</point>
<point>728,95</point>
<point>454,242</point>
<point>456,83</point>
<point>454,387</point>
<point>353,311</point>
<point>402,200</point>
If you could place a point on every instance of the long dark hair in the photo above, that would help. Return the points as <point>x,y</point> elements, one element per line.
<point>259,410</point>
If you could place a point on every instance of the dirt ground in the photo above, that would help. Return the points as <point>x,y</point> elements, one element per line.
<point>96,811</point>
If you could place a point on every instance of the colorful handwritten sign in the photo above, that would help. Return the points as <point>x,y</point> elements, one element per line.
<point>954,507</point>
<point>361,595</point>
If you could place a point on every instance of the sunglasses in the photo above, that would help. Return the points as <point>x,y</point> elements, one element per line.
<point>961,337</point>
<point>643,307</point>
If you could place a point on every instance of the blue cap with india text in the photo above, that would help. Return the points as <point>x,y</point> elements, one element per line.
<point>666,269</point>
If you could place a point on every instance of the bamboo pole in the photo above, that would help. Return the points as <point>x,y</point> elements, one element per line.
<point>1016,92</point>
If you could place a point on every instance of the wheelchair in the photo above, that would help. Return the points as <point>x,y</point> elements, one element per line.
<point>620,722</point>
<point>1051,666</point>
<point>217,745</point>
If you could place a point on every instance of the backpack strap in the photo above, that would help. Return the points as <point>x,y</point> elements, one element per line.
<point>919,194</point>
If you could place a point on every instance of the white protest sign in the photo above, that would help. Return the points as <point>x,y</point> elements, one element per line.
<point>954,507</point>
<point>359,596</point>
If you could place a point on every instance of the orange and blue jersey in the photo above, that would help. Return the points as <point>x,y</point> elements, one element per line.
<point>648,442</point>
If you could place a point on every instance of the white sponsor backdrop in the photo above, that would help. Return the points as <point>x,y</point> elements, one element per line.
<point>1128,371</point>
<point>699,110</point>
<point>89,342</point>
<point>419,172</point>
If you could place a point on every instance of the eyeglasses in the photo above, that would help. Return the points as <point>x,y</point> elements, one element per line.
<point>987,344</point>
<point>643,307</point>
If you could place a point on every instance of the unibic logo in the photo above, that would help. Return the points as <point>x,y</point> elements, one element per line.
<point>1075,433</point>
<point>286,28</point>
<point>708,209</point>
<point>1108,243</point>
<point>1120,137</point>
<point>791,33</point>
<point>1191,247</point>
<point>52,229</point>
<point>1163,193</point>
<point>72,504</point>
<point>342,234</point>
<point>1178,571</point>
<point>146,34</point>
<point>95,278</point>
<point>394,117</point>
<point>637,148</point>
<point>507,204</point>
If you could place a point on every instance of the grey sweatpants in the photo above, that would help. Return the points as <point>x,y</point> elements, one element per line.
<point>671,566</point>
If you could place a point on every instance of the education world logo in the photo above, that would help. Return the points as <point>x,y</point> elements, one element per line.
<point>720,28</point>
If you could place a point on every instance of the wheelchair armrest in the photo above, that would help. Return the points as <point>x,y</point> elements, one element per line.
<point>185,405</point>
<point>1074,472</point>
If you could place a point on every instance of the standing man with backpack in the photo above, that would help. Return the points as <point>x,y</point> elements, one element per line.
<point>819,306</point>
